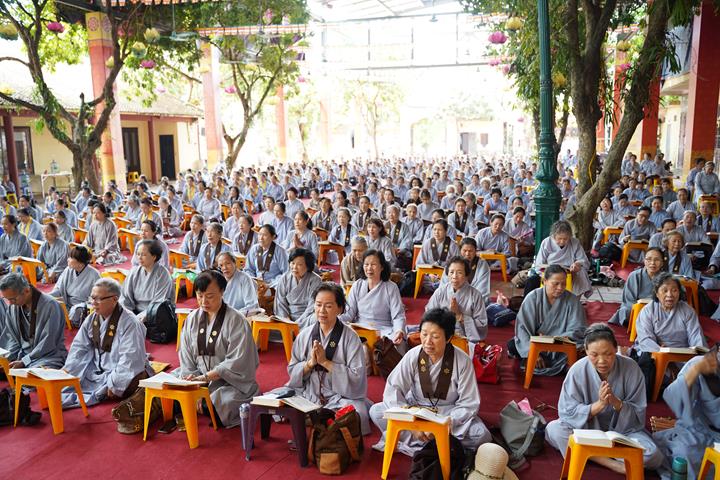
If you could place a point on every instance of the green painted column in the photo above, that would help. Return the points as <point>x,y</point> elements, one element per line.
<point>547,193</point>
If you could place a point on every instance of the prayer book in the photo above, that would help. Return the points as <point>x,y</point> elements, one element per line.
<point>688,350</point>
<point>24,259</point>
<point>276,400</point>
<point>44,373</point>
<point>409,414</point>
<point>3,352</point>
<point>598,438</point>
<point>716,446</point>
<point>268,319</point>
<point>158,366</point>
<point>487,252</point>
<point>550,339</point>
<point>428,265</point>
<point>182,310</point>
<point>363,326</point>
<point>639,240</point>
<point>320,229</point>
<point>164,380</point>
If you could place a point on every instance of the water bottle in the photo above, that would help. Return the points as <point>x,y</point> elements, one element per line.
<point>679,469</point>
<point>244,416</point>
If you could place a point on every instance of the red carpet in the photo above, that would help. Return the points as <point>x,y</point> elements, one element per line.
<point>92,447</point>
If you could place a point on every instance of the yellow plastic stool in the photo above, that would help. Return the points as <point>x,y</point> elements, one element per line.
<point>128,238</point>
<point>29,268</point>
<point>609,231</point>
<point>416,252</point>
<point>534,353</point>
<point>35,245</point>
<point>662,359</point>
<point>631,245</point>
<point>5,366</point>
<point>79,235</point>
<point>711,456</point>
<point>691,290</point>
<point>420,272</point>
<point>188,286</point>
<point>634,314</point>
<point>188,404</point>
<point>501,257</point>
<point>182,314</point>
<point>576,456</point>
<point>261,330</point>
<point>49,397</point>
<point>176,258</point>
<point>114,273</point>
<point>442,440</point>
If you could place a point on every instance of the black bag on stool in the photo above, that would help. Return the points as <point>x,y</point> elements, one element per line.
<point>161,322</point>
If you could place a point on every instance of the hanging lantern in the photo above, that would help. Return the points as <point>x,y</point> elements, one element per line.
<point>514,24</point>
<point>148,64</point>
<point>6,89</point>
<point>230,90</point>
<point>494,62</point>
<point>151,35</point>
<point>55,27</point>
<point>497,38</point>
<point>623,46</point>
<point>160,90</point>
<point>505,69</point>
<point>138,49</point>
<point>559,80</point>
<point>110,62</point>
<point>624,67</point>
<point>8,31</point>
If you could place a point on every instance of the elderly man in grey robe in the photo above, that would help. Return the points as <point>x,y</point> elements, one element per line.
<point>108,352</point>
<point>463,300</point>
<point>328,360</point>
<point>295,288</point>
<point>241,292</point>
<point>34,328</point>
<point>561,248</point>
<point>217,346</point>
<point>694,398</point>
<point>149,282</point>
<point>12,242</point>
<point>435,374</point>
<point>604,391</point>
<point>550,310</point>
<point>639,228</point>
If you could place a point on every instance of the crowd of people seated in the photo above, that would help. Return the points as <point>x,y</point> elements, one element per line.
<point>254,238</point>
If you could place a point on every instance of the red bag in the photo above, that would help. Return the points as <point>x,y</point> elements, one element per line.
<point>485,360</point>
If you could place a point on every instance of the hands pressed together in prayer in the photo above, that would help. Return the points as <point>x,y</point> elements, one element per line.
<point>455,308</point>
<point>318,357</point>
<point>606,397</point>
<point>576,267</point>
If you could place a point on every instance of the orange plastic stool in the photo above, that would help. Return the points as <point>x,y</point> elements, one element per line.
<point>5,366</point>
<point>371,336</point>
<point>322,234</point>
<point>442,440</point>
<point>177,257</point>
<point>65,313</point>
<point>691,289</point>
<point>631,245</point>
<point>128,238</point>
<point>534,353</point>
<point>29,268</point>
<point>240,261</point>
<point>609,231</point>
<point>260,331</point>
<point>416,252</point>
<point>182,314</point>
<point>576,456</point>
<point>114,273</point>
<point>79,235</point>
<point>35,245</point>
<point>634,314</point>
<point>420,272</point>
<point>325,247</point>
<point>711,456</point>
<point>188,404</point>
<point>662,359</point>
<point>49,396</point>
<point>188,286</point>
<point>122,223</point>
<point>501,257</point>
<point>461,342</point>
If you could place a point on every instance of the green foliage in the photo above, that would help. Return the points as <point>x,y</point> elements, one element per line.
<point>467,105</point>
<point>67,48</point>
<point>377,103</point>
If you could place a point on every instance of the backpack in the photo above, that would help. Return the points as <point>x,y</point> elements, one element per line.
<point>426,463</point>
<point>130,413</point>
<point>407,284</point>
<point>523,435</point>
<point>335,440</point>
<point>610,251</point>
<point>499,315</point>
<point>7,409</point>
<point>386,356</point>
<point>161,322</point>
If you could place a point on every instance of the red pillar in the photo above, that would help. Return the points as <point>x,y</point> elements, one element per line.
<point>10,149</point>
<point>650,121</point>
<point>153,162</point>
<point>281,124</point>
<point>618,84</point>
<point>112,157</point>
<point>703,86</point>
<point>600,130</point>
<point>210,66</point>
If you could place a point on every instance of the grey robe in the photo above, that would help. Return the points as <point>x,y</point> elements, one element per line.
<point>345,385</point>
<point>381,307</point>
<point>480,279</point>
<point>604,220</point>
<point>54,256</point>
<point>236,360</point>
<point>141,288</point>
<point>308,239</point>
<point>125,360</point>
<point>637,232</point>
<point>189,244</point>
<point>103,239</point>
<point>679,327</point>
<point>339,233</point>
<point>15,245</point>
<point>552,254</point>
<point>475,323</point>
<point>293,299</point>
<point>241,292</point>
<point>565,317</point>
<point>47,347</point>
<point>580,390</point>
<point>384,245</point>
<point>278,264</point>
<point>33,230</point>
<point>462,403</point>
<point>65,232</point>
<point>164,258</point>
<point>639,285</point>
<point>74,289</point>
<point>202,263</point>
<point>698,421</point>
<point>426,254</point>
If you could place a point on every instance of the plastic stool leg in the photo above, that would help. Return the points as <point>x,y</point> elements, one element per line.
<point>148,402</point>
<point>18,388</point>
<point>287,343</point>
<point>81,399</point>
<point>300,436</point>
<point>530,365</point>
<point>211,410</point>
<point>418,283</point>
<point>577,466</point>
<point>503,269</point>
<point>443,447</point>
<point>42,398</point>
<point>55,408</point>
<point>660,367</point>
<point>189,414</point>
<point>566,463</point>
<point>391,436</point>
<point>167,408</point>
<point>634,468</point>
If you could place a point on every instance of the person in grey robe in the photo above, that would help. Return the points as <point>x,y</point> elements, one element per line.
<point>64,230</point>
<point>283,225</point>
<point>400,237</point>
<point>149,282</point>
<point>328,359</point>
<point>53,253</point>
<point>460,402</point>
<point>438,249</point>
<point>209,251</point>
<point>292,204</point>
<point>223,354</point>
<point>34,333</point>
<point>678,208</point>
<point>245,237</point>
<point>604,391</point>
<point>460,219</point>
<point>149,230</point>
<point>363,215</point>
<point>374,301</point>
<point>266,259</point>
<point>102,238</point>
<point>561,248</point>
<point>678,262</point>
<point>343,231</point>
<point>494,239</point>
<point>12,242</point>
<point>111,362</point>
<point>463,300</point>
<point>194,239</point>
<point>479,276</point>
<point>550,310</point>
<point>415,225</point>
<point>209,206</point>
<point>352,264</point>
<point>706,182</point>
<point>241,292</point>
<point>638,229</point>
<point>28,226</point>
<point>377,239</point>
<point>639,285</point>
<point>325,217</point>
<point>607,217</point>
<point>147,213</point>
<point>657,240</point>
<point>75,283</point>
<point>694,398</point>
<point>439,215</point>
<point>295,287</point>
<point>302,236</point>
<point>231,227</point>
<point>691,231</point>
<point>667,321</point>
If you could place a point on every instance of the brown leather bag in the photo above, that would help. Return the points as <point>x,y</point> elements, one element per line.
<point>333,447</point>
<point>386,356</point>
<point>130,413</point>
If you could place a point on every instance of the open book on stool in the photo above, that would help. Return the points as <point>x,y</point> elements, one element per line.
<point>414,413</point>
<point>262,317</point>
<point>44,373</point>
<point>598,438</point>
<point>550,339</point>
<point>285,397</point>
<point>162,380</point>
<point>697,350</point>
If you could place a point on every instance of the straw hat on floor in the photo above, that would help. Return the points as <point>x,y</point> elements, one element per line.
<point>491,464</point>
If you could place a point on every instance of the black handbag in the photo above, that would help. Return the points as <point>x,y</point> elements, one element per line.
<point>426,463</point>
<point>161,322</point>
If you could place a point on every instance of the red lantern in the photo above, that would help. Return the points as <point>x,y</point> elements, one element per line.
<point>497,38</point>
<point>55,27</point>
<point>148,64</point>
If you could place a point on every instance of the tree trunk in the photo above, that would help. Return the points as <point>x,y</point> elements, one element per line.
<point>237,144</point>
